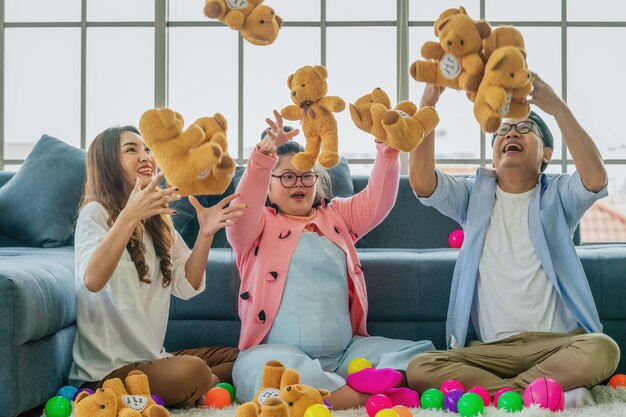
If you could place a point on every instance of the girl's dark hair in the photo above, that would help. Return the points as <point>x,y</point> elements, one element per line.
<point>107,185</point>
<point>323,187</point>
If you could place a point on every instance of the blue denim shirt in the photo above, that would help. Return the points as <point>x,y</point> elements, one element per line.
<point>556,207</point>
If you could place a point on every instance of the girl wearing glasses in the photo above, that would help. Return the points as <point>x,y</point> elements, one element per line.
<point>302,299</point>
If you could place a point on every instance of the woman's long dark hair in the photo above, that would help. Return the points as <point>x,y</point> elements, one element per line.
<point>107,185</point>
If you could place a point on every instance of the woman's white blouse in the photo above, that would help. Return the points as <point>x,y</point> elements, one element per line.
<point>125,322</point>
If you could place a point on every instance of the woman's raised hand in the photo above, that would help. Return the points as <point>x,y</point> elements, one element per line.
<point>150,200</point>
<point>212,219</point>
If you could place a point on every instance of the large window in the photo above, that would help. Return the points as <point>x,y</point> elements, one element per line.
<point>71,68</point>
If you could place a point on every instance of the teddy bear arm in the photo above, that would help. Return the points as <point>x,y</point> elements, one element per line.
<point>333,104</point>
<point>128,412</point>
<point>407,106</point>
<point>290,377</point>
<point>473,64</point>
<point>234,19</point>
<point>193,136</point>
<point>495,97</point>
<point>291,112</point>
<point>116,385</point>
<point>432,50</point>
<point>524,91</point>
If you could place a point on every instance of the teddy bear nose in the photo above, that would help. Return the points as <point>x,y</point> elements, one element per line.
<point>449,43</point>
<point>293,93</point>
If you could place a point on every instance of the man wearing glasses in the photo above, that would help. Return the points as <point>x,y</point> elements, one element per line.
<point>517,275</point>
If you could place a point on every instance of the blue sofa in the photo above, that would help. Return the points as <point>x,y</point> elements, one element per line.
<point>408,268</point>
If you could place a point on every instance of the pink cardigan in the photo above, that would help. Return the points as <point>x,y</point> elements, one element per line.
<point>264,241</point>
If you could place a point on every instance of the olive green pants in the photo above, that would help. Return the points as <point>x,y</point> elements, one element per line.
<point>575,359</point>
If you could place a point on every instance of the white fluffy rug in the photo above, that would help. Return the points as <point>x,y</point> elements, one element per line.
<point>611,403</point>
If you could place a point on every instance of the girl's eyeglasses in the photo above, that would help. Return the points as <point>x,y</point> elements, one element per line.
<point>289,179</point>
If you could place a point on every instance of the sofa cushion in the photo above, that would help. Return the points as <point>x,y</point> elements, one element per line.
<point>341,179</point>
<point>39,203</point>
<point>36,293</point>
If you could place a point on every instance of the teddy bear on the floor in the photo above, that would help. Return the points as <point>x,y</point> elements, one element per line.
<point>315,111</point>
<point>195,160</point>
<point>102,403</point>
<point>402,128</point>
<point>257,23</point>
<point>273,407</point>
<point>506,82</point>
<point>115,399</point>
<point>277,381</point>
<point>455,61</point>
<point>135,395</point>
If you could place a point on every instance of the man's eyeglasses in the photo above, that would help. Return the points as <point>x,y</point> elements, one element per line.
<point>289,179</point>
<point>522,127</point>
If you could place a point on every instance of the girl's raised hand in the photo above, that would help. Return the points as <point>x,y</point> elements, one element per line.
<point>212,219</point>
<point>149,201</point>
<point>275,131</point>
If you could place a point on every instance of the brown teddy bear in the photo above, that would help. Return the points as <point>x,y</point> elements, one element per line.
<point>135,396</point>
<point>102,403</point>
<point>503,36</point>
<point>499,37</point>
<point>402,128</point>
<point>220,176</point>
<point>257,23</point>
<point>195,160</point>
<point>506,81</point>
<point>285,384</point>
<point>315,111</point>
<point>273,407</point>
<point>455,60</point>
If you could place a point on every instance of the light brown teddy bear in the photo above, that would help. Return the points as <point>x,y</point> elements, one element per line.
<point>455,60</point>
<point>285,384</point>
<point>315,111</point>
<point>506,81</point>
<point>195,160</point>
<point>503,36</point>
<point>102,403</point>
<point>273,407</point>
<point>499,37</point>
<point>221,175</point>
<point>402,128</point>
<point>135,396</point>
<point>257,23</point>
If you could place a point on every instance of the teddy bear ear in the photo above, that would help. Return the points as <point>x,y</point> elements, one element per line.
<point>379,96</point>
<point>289,80</point>
<point>483,28</point>
<point>81,396</point>
<point>324,392</point>
<point>462,10</point>
<point>441,25</point>
<point>495,61</point>
<point>321,71</point>
<point>221,120</point>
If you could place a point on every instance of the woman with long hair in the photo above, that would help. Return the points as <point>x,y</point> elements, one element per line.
<point>128,261</point>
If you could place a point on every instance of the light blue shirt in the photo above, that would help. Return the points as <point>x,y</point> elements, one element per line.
<point>556,207</point>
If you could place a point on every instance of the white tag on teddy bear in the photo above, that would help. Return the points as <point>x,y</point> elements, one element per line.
<point>267,393</point>
<point>449,66</point>
<point>505,109</point>
<point>136,402</point>
<point>237,4</point>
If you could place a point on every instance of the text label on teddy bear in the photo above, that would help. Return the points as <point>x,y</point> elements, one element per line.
<point>136,402</point>
<point>450,66</point>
